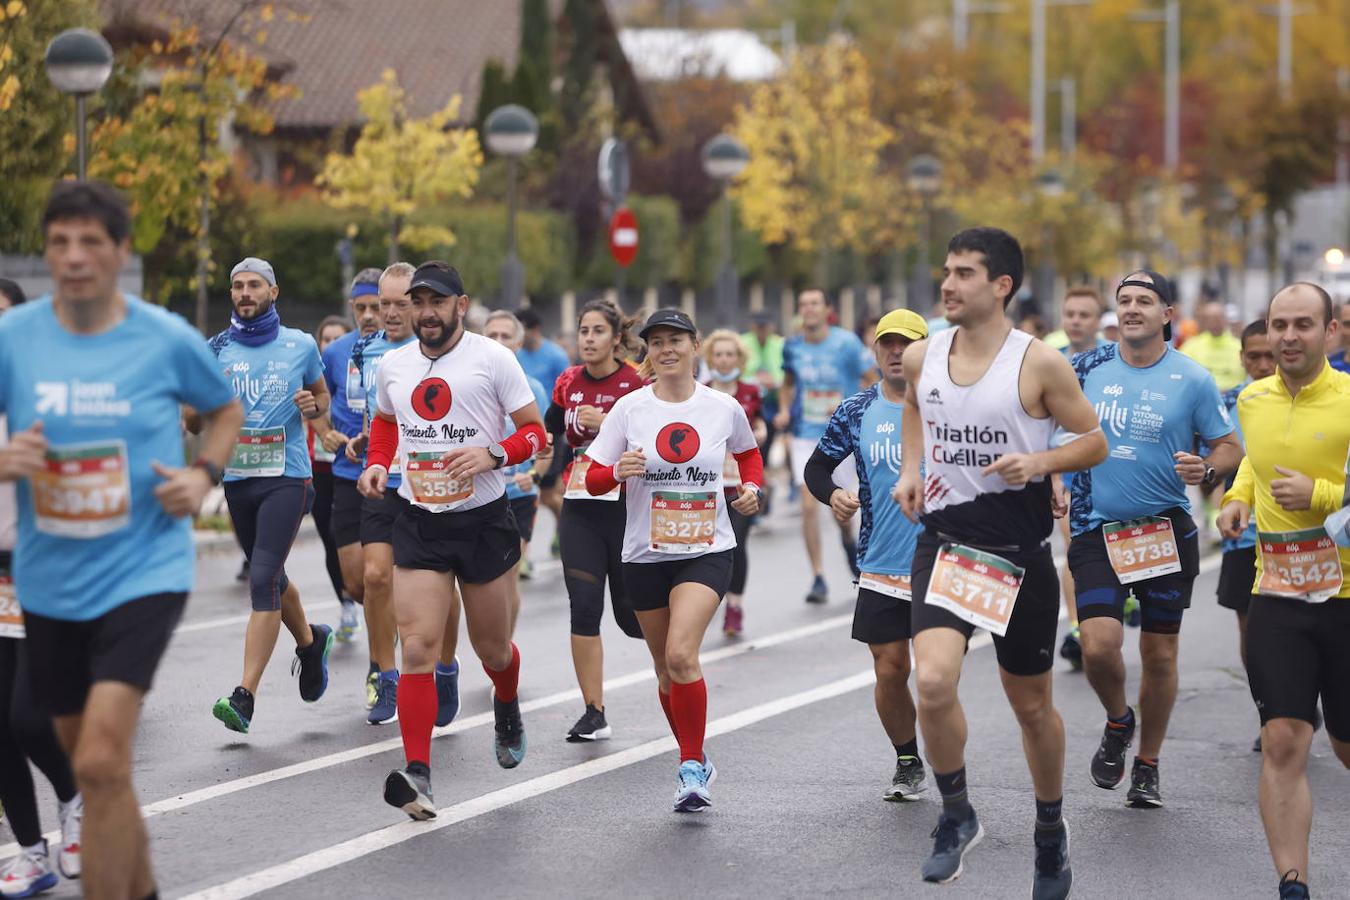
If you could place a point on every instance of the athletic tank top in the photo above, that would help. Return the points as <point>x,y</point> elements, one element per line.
<point>968,427</point>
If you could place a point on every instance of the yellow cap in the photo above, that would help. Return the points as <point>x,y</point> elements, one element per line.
<point>904,322</point>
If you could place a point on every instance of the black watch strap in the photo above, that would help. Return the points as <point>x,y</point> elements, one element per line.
<point>1211,476</point>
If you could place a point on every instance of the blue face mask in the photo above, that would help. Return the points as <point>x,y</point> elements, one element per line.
<point>733,375</point>
<point>256,331</point>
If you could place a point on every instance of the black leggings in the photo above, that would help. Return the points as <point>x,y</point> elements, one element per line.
<point>26,733</point>
<point>267,513</point>
<point>590,533</point>
<point>323,517</point>
<point>740,559</point>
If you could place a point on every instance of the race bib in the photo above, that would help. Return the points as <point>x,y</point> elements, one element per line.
<point>431,484</point>
<point>356,392</point>
<point>576,481</point>
<point>818,406</point>
<point>979,587</point>
<point>683,522</point>
<point>1303,565</point>
<point>11,617</point>
<point>731,472</point>
<point>259,453</point>
<point>84,491</point>
<point>1141,549</point>
<point>890,585</point>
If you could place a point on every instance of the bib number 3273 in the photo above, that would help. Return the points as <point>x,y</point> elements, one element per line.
<point>683,522</point>
<point>979,587</point>
<point>1303,565</point>
<point>84,491</point>
<point>1141,548</point>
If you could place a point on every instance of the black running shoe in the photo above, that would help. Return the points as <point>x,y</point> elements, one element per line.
<point>410,791</point>
<point>1053,876</point>
<point>952,840</point>
<point>312,663</point>
<point>908,781</point>
<point>1071,650</point>
<point>590,727</point>
<point>1144,790</point>
<point>510,737</point>
<point>236,710</point>
<point>1256,744</point>
<point>1291,888</point>
<point>1108,763</point>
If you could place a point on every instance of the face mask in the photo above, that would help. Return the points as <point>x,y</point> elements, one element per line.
<point>733,375</point>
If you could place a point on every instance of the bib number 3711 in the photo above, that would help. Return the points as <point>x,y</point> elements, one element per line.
<point>979,587</point>
<point>1303,565</point>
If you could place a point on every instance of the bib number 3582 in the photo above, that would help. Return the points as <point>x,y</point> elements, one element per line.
<point>979,587</point>
<point>1303,565</point>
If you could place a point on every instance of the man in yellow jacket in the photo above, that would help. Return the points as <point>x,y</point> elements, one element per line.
<point>1215,347</point>
<point>1297,429</point>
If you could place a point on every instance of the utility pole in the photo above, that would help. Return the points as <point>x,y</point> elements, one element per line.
<point>1068,119</point>
<point>962,10</point>
<point>1038,72</point>
<point>1170,17</point>
<point>1343,131</point>
<point>1284,12</point>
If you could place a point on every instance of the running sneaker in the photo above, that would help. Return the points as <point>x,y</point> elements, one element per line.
<point>692,795</point>
<point>372,686</point>
<point>236,710</point>
<point>590,727</point>
<point>1256,744</point>
<point>312,663</point>
<point>447,695</point>
<point>952,840</point>
<point>820,592</point>
<point>1291,888</point>
<point>1131,613</point>
<point>28,873</point>
<point>1072,650</point>
<point>410,790</point>
<point>509,741</point>
<point>709,769</point>
<point>555,548</point>
<point>350,623</point>
<point>908,781</point>
<point>733,621</point>
<point>385,710</point>
<point>525,570</point>
<point>1053,876</point>
<point>68,856</point>
<point>1144,790</point>
<point>1108,763</point>
<point>242,575</point>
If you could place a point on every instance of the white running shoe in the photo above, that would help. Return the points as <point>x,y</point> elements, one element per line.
<point>68,857</point>
<point>28,873</point>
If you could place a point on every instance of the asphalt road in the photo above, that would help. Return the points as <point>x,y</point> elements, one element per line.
<point>294,809</point>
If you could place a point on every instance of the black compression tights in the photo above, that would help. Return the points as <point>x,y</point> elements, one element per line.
<point>26,733</point>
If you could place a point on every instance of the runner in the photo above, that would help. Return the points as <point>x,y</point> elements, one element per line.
<point>1297,428</point>
<point>867,427</point>
<point>92,381</point>
<point>726,358</point>
<point>1131,521</point>
<point>982,403</point>
<point>678,540</point>
<point>344,422</point>
<point>439,405</point>
<point>321,462</point>
<point>545,361</point>
<point>592,528</point>
<point>821,366</point>
<point>278,376</point>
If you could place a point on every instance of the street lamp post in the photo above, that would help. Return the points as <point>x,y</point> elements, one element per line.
<point>79,62</point>
<point>724,158</point>
<point>511,131</point>
<point>923,176</point>
<point>1050,184</point>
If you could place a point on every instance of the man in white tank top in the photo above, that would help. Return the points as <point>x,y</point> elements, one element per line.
<point>982,404</point>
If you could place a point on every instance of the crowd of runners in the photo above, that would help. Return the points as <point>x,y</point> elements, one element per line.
<point>423,449</point>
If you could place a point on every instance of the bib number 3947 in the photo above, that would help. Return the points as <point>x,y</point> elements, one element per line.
<point>979,587</point>
<point>84,491</point>
<point>683,522</point>
<point>1303,565</point>
<point>1141,548</point>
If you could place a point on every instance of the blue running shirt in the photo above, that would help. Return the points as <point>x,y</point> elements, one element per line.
<point>1147,415</point>
<point>1247,538</point>
<point>366,356</point>
<point>824,373</point>
<point>540,400</point>
<point>336,369</point>
<point>545,364</point>
<point>92,536</point>
<point>867,425</point>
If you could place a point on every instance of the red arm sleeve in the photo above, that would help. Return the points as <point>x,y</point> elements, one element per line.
<point>383,442</point>
<point>751,465</point>
<point>600,480</point>
<point>526,442</point>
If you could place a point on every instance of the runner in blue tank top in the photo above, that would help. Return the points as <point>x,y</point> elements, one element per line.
<point>867,426</point>
<point>1131,522</point>
<point>278,377</point>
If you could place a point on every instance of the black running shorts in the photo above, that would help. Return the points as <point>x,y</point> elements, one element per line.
<point>880,618</point>
<point>477,545</point>
<point>1162,600</point>
<point>649,584</point>
<point>378,517</point>
<point>345,523</point>
<point>524,509</point>
<point>1296,652</point>
<point>1237,577</point>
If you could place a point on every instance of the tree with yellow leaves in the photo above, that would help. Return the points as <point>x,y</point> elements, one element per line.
<point>400,164</point>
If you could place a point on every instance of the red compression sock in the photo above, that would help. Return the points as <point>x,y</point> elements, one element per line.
<point>507,680</point>
<point>670,716</point>
<point>417,715</point>
<point>689,709</point>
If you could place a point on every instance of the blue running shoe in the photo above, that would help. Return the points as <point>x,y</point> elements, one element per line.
<point>509,740</point>
<point>709,768</point>
<point>819,592</point>
<point>350,623</point>
<point>236,710</point>
<point>952,840</point>
<point>1054,877</point>
<point>447,694</point>
<point>385,710</point>
<point>312,663</point>
<point>692,794</point>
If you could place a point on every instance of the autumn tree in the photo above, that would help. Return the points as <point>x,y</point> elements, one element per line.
<point>400,164</point>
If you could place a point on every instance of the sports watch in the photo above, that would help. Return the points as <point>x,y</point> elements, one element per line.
<point>498,453</point>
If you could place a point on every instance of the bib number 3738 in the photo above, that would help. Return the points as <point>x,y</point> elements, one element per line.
<point>1303,565</point>
<point>979,587</point>
<point>683,522</point>
<point>1141,548</point>
<point>84,491</point>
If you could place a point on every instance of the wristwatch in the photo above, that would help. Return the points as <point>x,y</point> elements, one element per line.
<point>1211,476</point>
<point>498,455</point>
<point>213,471</point>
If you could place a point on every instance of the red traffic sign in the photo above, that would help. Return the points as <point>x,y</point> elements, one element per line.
<point>623,236</point>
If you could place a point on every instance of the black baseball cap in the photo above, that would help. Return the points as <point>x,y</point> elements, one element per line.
<point>443,279</point>
<point>668,318</point>
<point>1160,286</point>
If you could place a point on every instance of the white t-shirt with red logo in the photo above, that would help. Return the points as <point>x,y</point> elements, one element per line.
<point>677,509</point>
<point>461,399</point>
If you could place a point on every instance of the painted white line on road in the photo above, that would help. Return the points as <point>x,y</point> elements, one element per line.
<point>371,842</point>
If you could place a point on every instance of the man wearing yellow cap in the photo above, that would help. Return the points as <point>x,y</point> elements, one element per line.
<point>867,426</point>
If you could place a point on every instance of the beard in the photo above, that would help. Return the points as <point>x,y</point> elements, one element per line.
<point>260,310</point>
<point>448,330</point>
